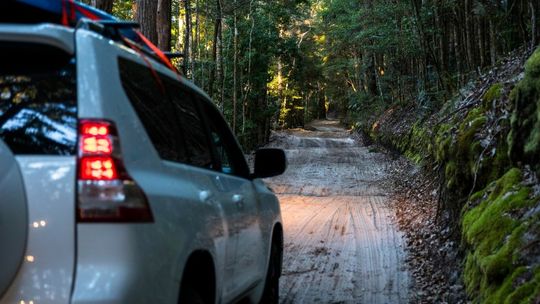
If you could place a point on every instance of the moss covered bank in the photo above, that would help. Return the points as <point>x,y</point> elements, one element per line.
<point>486,148</point>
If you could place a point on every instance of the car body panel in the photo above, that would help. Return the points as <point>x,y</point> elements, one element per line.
<point>13,217</point>
<point>194,209</point>
<point>148,250</point>
<point>55,35</point>
<point>46,272</point>
<point>46,275</point>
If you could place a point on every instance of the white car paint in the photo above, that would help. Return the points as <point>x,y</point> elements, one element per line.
<point>194,209</point>
<point>46,274</point>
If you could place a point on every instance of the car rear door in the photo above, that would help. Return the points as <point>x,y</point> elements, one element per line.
<point>210,189</point>
<point>239,195</point>
<point>38,122</point>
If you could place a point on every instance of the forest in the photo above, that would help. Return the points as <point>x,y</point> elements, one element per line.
<point>453,85</point>
<point>279,64</point>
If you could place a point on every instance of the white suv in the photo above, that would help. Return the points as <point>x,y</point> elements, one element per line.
<point>121,181</point>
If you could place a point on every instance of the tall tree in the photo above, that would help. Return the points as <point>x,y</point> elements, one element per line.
<point>215,46</point>
<point>145,15</point>
<point>235,67</point>
<point>187,37</point>
<point>163,24</point>
<point>104,5</point>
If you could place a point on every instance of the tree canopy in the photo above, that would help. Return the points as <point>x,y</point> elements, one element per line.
<point>279,64</point>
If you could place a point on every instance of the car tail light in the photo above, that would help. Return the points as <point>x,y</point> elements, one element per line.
<point>106,192</point>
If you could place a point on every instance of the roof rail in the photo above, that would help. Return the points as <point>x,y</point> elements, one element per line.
<point>107,28</point>
<point>172,55</point>
<point>113,30</point>
<point>118,24</point>
<point>116,31</point>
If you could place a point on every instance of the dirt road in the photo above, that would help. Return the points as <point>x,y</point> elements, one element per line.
<point>341,245</point>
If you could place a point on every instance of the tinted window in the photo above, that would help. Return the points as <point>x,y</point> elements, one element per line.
<point>38,100</point>
<point>17,12</point>
<point>228,152</point>
<point>197,142</point>
<point>145,89</point>
<point>168,114</point>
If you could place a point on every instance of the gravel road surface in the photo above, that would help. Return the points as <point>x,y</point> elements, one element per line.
<point>341,243</point>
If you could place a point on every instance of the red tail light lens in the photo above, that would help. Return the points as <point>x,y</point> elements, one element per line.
<point>97,168</point>
<point>96,145</point>
<point>106,192</point>
<point>95,128</point>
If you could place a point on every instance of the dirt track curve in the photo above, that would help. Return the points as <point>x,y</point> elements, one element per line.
<point>341,245</point>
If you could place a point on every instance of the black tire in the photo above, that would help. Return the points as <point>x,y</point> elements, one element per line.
<point>271,287</point>
<point>190,295</point>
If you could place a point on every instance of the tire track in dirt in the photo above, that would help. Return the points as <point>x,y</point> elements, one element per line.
<point>341,245</point>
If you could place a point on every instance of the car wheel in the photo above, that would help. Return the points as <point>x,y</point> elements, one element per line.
<point>271,288</point>
<point>190,296</point>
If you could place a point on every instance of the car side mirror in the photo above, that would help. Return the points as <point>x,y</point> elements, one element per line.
<point>269,162</point>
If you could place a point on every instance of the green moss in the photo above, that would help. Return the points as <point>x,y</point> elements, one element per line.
<point>484,224</point>
<point>474,121</point>
<point>533,142</point>
<point>524,137</point>
<point>527,292</point>
<point>493,93</point>
<point>532,66</point>
<point>494,236</point>
<point>507,287</point>
<point>443,140</point>
<point>450,173</point>
<point>464,153</point>
<point>472,277</point>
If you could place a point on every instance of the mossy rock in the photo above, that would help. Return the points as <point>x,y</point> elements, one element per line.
<point>443,141</point>
<point>474,121</point>
<point>419,143</point>
<point>465,153</point>
<point>493,93</point>
<point>524,137</point>
<point>450,173</point>
<point>493,232</point>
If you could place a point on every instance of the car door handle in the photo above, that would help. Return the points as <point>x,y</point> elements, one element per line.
<point>205,195</point>
<point>238,199</point>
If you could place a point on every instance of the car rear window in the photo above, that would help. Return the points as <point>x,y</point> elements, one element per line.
<point>38,100</point>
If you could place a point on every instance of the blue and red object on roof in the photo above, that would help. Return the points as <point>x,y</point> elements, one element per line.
<point>69,13</point>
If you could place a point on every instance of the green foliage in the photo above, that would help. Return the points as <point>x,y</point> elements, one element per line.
<point>363,46</point>
<point>493,231</point>
<point>123,9</point>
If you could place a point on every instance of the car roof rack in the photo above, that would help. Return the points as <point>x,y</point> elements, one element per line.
<point>112,29</point>
<point>172,55</point>
<point>75,14</point>
<point>107,28</point>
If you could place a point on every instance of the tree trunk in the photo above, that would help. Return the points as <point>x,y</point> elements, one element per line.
<point>217,30</point>
<point>221,74</point>
<point>492,43</point>
<point>104,5</point>
<point>534,34</point>
<point>469,33</point>
<point>196,45</point>
<point>480,40</point>
<point>146,17</point>
<point>235,63</point>
<point>248,83</point>
<point>187,37</point>
<point>164,24</point>
<point>322,107</point>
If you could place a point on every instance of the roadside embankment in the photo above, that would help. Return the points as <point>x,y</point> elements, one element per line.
<point>483,148</point>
